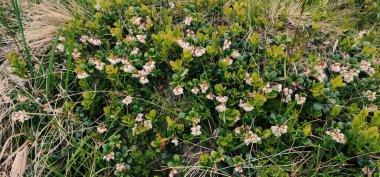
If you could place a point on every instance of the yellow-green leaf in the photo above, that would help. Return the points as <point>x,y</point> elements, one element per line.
<point>337,82</point>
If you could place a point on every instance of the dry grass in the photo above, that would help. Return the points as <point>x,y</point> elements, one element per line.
<point>41,22</point>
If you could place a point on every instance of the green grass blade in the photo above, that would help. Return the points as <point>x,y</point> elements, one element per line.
<point>49,77</point>
<point>70,56</point>
<point>17,14</point>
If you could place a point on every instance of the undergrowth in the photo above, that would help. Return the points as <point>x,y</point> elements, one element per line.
<point>222,88</point>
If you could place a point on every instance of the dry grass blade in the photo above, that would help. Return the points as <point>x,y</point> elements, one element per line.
<point>42,21</point>
<point>19,163</point>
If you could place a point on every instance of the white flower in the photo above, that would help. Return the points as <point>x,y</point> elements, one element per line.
<point>98,7</point>
<point>364,65</point>
<point>110,156</point>
<point>370,95</point>
<point>248,79</point>
<point>300,99</point>
<point>136,20</point>
<point>221,108</point>
<point>20,116</point>
<point>178,90</point>
<point>190,33</point>
<point>76,54</point>
<point>135,51</point>
<point>283,129</point>
<point>196,130</point>
<point>149,66</point>
<point>245,106</point>
<point>321,65</point>
<point>228,60</point>
<point>99,65</point>
<point>148,124</point>
<point>127,100</point>
<point>267,88</point>
<point>144,79</point>
<point>188,20</point>
<point>128,68</point>
<point>278,131</point>
<point>367,171</point>
<point>336,135</point>
<point>83,39</point>
<point>370,71</point>
<point>204,87</point>
<point>226,44</point>
<point>320,76</point>
<point>60,47</point>
<point>210,96</point>
<point>221,99</point>
<point>184,45</point>
<point>277,87</point>
<point>171,4</point>
<point>139,117</point>
<point>251,138</point>
<point>288,95</point>
<point>237,130</point>
<point>196,120</point>
<point>82,75</point>
<point>235,54</point>
<point>372,108</point>
<point>199,51</point>
<point>130,38</point>
<point>113,60</point>
<point>22,98</point>
<point>195,90</point>
<point>136,74</point>
<point>120,167</point>
<point>61,38</point>
<point>101,128</point>
<point>335,67</point>
<point>141,38</point>
<point>348,76</point>
<point>95,41</point>
<point>238,169</point>
<point>173,172</point>
<point>306,72</point>
<point>175,141</point>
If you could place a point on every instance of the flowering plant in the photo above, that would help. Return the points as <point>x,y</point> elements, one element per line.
<point>155,81</point>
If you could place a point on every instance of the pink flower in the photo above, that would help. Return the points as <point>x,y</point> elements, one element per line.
<point>178,90</point>
<point>221,99</point>
<point>101,128</point>
<point>188,20</point>
<point>221,108</point>
<point>195,90</point>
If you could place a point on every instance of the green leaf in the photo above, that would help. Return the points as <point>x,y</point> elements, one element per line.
<point>152,114</point>
<point>307,130</point>
<point>335,111</point>
<point>359,121</point>
<point>219,88</point>
<point>176,65</point>
<point>317,89</point>
<point>375,121</point>
<point>254,38</point>
<point>337,82</point>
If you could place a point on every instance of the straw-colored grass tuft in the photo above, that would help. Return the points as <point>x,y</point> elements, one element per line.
<point>41,22</point>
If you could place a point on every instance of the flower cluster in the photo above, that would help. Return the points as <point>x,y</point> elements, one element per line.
<point>20,116</point>
<point>336,135</point>
<point>279,130</point>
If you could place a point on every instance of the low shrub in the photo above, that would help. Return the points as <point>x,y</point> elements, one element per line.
<point>204,88</point>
